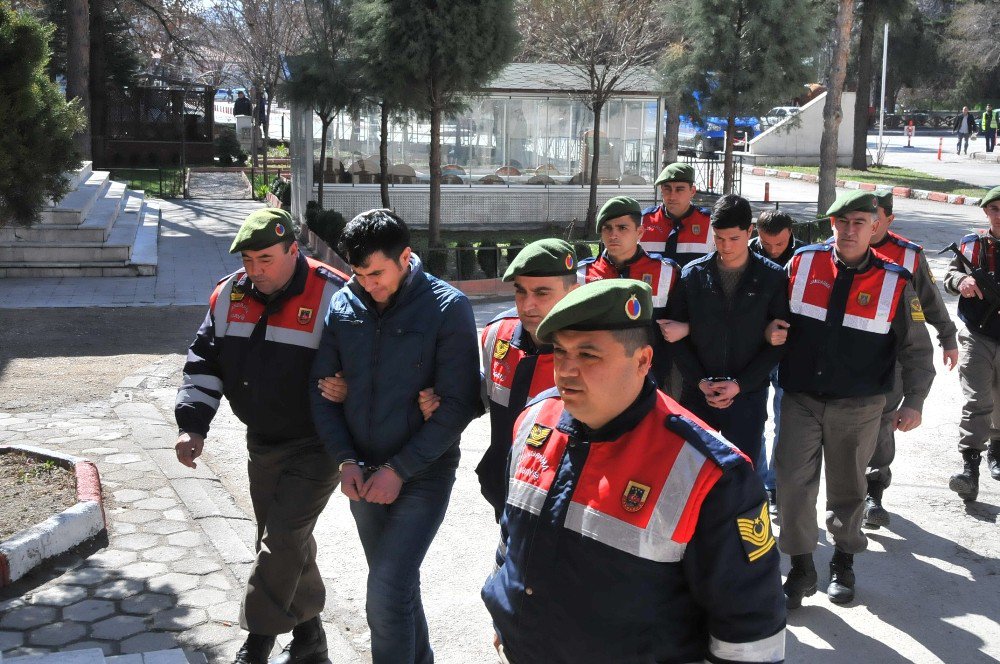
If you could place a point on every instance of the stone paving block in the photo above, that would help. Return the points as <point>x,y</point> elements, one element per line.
<point>57,634</point>
<point>87,576</point>
<point>179,618</point>
<point>147,603</point>
<point>9,640</point>
<point>230,545</point>
<point>201,566</point>
<point>188,539</point>
<point>59,595</point>
<point>130,495</point>
<point>120,589</point>
<point>164,554</point>
<point>165,492</point>
<point>122,528</point>
<point>12,603</point>
<point>144,570</point>
<point>212,634</point>
<point>103,646</point>
<point>206,498</point>
<point>219,581</point>
<point>123,458</point>
<point>27,617</point>
<point>168,527</point>
<point>173,582</point>
<point>172,656</point>
<point>225,611</point>
<point>118,627</point>
<point>89,610</point>
<point>137,516</point>
<point>149,641</point>
<point>125,659</point>
<point>112,558</point>
<point>176,515</point>
<point>136,542</point>
<point>203,597</point>
<point>101,450</point>
<point>156,504</point>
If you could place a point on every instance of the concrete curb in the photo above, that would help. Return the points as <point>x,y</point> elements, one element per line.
<point>60,532</point>
<point>898,192</point>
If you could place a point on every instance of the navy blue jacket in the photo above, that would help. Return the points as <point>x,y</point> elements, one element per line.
<point>426,337</point>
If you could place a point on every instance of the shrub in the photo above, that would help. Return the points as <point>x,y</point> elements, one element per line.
<point>228,150</point>
<point>327,224</point>
<point>466,260</point>
<point>436,261</point>
<point>488,257</point>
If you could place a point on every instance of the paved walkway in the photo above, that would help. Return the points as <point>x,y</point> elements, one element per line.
<point>219,186</point>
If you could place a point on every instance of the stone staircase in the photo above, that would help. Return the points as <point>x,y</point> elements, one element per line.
<point>99,229</point>
<point>96,656</point>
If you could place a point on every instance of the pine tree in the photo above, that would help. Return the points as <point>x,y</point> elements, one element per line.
<point>36,145</point>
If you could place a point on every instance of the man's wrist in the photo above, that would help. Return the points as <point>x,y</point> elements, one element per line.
<point>343,463</point>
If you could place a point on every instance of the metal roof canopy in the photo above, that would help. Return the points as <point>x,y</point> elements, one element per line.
<point>551,78</point>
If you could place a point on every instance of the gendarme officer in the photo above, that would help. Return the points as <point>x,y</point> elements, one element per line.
<point>630,532</point>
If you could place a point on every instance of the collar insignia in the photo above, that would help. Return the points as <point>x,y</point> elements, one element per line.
<point>864,299</point>
<point>305,315</point>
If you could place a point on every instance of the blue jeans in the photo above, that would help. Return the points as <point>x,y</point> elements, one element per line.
<point>396,538</point>
<point>766,466</point>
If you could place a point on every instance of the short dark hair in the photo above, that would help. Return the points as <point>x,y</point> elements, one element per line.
<point>773,222</point>
<point>634,338</point>
<point>732,211</point>
<point>637,218</point>
<point>375,230</point>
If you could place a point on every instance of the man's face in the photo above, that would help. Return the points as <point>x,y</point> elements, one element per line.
<point>992,211</point>
<point>596,379</point>
<point>534,298</point>
<point>677,196</point>
<point>270,269</point>
<point>381,276</point>
<point>882,223</point>
<point>732,244</point>
<point>852,233</point>
<point>775,244</point>
<point>965,109</point>
<point>621,236</point>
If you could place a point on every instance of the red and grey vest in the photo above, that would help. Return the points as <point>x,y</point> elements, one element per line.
<point>515,372</point>
<point>681,239</point>
<point>900,251</point>
<point>841,342</point>
<point>657,272</point>
<point>981,249</point>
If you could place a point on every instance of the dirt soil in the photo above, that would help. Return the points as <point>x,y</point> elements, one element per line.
<point>32,490</point>
<point>53,357</point>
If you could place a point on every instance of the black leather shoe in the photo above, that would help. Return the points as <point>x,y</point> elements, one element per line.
<point>801,581</point>
<point>255,650</point>
<point>308,645</point>
<point>993,459</point>
<point>966,483</point>
<point>841,590</point>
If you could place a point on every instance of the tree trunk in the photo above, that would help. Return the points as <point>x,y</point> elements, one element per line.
<point>98,77</point>
<point>727,164</point>
<point>78,66</point>
<point>866,41</point>
<point>832,112</point>
<point>383,155</point>
<point>434,216</point>
<point>671,131</point>
<point>595,161</point>
<point>325,121</point>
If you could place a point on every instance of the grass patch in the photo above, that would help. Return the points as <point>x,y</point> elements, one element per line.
<point>896,177</point>
<point>158,182</point>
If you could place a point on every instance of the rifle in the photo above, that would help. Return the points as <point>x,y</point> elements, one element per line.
<point>985,280</point>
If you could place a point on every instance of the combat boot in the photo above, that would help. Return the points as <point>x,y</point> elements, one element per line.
<point>255,650</point>
<point>308,644</point>
<point>801,581</point>
<point>875,515</point>
<point>841,590</point>
<point>966,483</point>
<point>993,459</point>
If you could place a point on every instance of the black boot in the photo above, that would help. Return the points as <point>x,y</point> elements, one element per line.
<point>308,644</point>
<point>993,459</point>
<point>801,581</point>
<point>255,650</point>
<point>966,483</point>
<point>841,590</point>
<point>875,515</point>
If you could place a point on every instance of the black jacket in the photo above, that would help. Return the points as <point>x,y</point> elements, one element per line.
<point>973,127</point>
<point>728,340</point>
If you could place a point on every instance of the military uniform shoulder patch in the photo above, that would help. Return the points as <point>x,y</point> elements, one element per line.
<point>754,527</point>
<point>916,311</point>
<point>305,315</point>
<point>500,349</point>
<point>538,435</point>
<point>635,496</point>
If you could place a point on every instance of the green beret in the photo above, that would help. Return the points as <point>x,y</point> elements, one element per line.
<point>619,206</point>
<point>608,304</point>
<point>884,199</point>
<point>991,195</point>
<point>676,172</point>
<point>262,229</point>
<point>853,201</point>
<point>543,258</point>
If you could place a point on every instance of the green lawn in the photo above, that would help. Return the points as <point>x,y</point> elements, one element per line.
<point>897,177</point>
<point>156,182</point>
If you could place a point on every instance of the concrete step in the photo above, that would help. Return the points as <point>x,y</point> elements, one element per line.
<point>72,210</point>
<point>36,271</point>
<point>145,249</point>
<point>95,228</point>
<point>122,234</point>
<point>81,175</point>
<point>89,656</point>
<point>63,252</point>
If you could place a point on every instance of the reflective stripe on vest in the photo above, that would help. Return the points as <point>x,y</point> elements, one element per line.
<point>694,238</point>
<point>871,302</point>
<point>897,251</point>
<point>640,494</point>
<point>973,251</point>
<point>499,371</point>
<point>659,274</point>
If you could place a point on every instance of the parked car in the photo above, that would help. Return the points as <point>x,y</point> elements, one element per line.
<point>779,114</point>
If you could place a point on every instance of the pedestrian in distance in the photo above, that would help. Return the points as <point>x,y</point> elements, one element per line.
<point>619,223</point>
<point>391,332</point>
<point>988,125</point>
<point>729,298</point>
<point>891,246</point>
<point>852,315</point>
<point>965,126</point>
<point>979,370</point>
<point>242,105</point>
<point>631,532</point>
<point>256,347</point>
